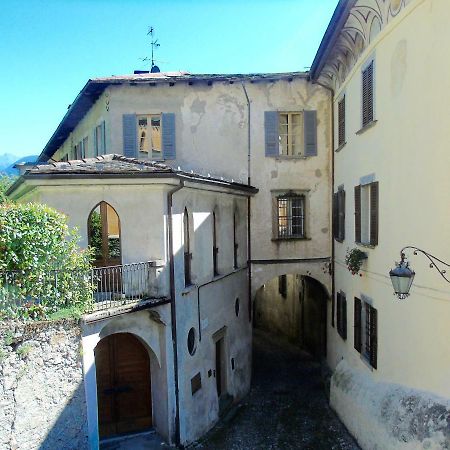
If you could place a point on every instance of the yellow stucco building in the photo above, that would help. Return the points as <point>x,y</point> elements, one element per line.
<point>385,63</point>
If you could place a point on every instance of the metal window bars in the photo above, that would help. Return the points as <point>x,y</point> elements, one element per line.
<point>291,217</point>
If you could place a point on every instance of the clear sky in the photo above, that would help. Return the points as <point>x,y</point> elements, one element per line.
<point>50,48</point>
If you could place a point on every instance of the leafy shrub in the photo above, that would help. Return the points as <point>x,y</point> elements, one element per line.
<point>42,268</point>
<point>5,183</point>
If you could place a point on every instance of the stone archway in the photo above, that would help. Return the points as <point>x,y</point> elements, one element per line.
<point>124,395</point>
<point>294,306</point>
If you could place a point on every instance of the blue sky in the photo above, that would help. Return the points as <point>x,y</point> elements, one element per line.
<point>50,48</point>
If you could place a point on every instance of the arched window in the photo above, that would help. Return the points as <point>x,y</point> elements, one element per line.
<point>187,249</point>
<point>104,235</point>
<point>215,247</point>
<point>235,241</point>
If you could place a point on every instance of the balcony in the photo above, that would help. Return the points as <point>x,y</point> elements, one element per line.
<point>100,292</point>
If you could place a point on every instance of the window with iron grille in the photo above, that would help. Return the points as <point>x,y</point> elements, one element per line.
<point>367,94</point>
<point>291,216</point>
<point>341,121</point>
<point>341,316</point>
<point>371,337</point>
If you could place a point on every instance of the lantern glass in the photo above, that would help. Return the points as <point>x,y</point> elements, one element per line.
<point>402,277</point>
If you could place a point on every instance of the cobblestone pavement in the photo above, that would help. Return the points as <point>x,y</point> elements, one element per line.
<point>286,408</point>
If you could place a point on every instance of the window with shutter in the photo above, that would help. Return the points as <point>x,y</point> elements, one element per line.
<point>341,121</point>
<point>366,213</point>
<point>290,134</point>
<point>367,94</point>
<point>282,285</point>
<point>339,215</point>
<point>187,249</point>
<point>371,335</point>
<point>357,324</point>
<point>341,318</point>
<point>333,310</point>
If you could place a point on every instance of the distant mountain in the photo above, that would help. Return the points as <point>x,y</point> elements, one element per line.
<point>9,169</point>
<point>6,160</point>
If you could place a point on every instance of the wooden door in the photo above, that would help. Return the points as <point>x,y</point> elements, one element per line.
<point>123,385</point>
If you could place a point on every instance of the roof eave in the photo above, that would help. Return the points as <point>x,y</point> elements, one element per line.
<point>332,32</point>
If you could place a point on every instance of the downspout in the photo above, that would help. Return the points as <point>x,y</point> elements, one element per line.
<point>332,271</point>
<point>173,307</point>
<point>249,242</point>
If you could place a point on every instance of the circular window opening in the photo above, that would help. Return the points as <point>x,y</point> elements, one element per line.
<point>236,307</point>
<point>191,341</point>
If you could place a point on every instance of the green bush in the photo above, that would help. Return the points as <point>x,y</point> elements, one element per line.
<point>5,183</point>
<point>42,268</point>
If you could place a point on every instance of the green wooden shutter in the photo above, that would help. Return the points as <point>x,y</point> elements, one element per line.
<point>271,133</point>
<point>367,95</point>
<point>129,126</point>
<point>310,132</point>
<point>344,317</point>
<point>358,213</point>
<point>333,310</point>
<point>357,324</point>
<point>103,140</point>
<point>168,136</point>
<point>374,213</point>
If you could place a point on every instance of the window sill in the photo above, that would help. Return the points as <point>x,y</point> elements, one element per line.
<point>366,361</point>
<point>188,289</point>
<point>341,147</point>
<point>278,239</point>
<point>367,127</point>
<point>362,244</point>
<point>288,158</point>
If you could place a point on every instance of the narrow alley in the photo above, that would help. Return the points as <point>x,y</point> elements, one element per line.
<point>286,408</point>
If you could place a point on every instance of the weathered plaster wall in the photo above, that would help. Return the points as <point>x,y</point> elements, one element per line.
<point>86,128</point>
<point>211,307</point>
<point>42,396</point>
<point>407,151</point>
<point>141,208</point>
<point>389,416</point>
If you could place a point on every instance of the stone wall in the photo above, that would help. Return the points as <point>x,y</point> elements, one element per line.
<point>389,416</point>
<point>42,399</point>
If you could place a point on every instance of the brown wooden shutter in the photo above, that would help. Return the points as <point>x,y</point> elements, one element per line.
<point>357,324</point>
<point>367,95</point>
<point>373,337</point>
<point>344,317</point>
<point>358,213</point>
<point>335,215</point>
<point>333,310</point>
<point>341,122</point>
<point>374,213</point>
<point>341,215</point>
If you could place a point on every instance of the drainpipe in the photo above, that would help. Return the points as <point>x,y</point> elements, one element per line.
<point>173,307</point>
<point>333,288</point>
<point>249,242</point>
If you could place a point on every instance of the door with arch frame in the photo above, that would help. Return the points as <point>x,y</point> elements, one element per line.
<point>124,394</point>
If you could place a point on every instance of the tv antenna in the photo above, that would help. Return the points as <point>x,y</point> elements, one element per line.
<point>154,43</point>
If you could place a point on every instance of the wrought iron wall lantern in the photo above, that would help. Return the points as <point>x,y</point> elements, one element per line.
<point>402,276</point>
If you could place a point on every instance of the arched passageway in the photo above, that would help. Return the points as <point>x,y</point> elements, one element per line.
<point>123,385</point>
<point>294,306</point>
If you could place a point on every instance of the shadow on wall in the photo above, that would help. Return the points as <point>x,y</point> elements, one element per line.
<point>295,306</point>
<point>69,431</point>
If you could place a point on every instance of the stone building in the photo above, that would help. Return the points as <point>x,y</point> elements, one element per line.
<point>156,171</point>
<point>383,63</point>
<point>218,190</point>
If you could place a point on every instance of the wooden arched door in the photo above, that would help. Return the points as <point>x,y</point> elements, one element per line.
<point>123,385</point>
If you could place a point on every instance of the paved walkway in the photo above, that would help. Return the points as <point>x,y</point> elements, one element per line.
<point>286,408</point>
